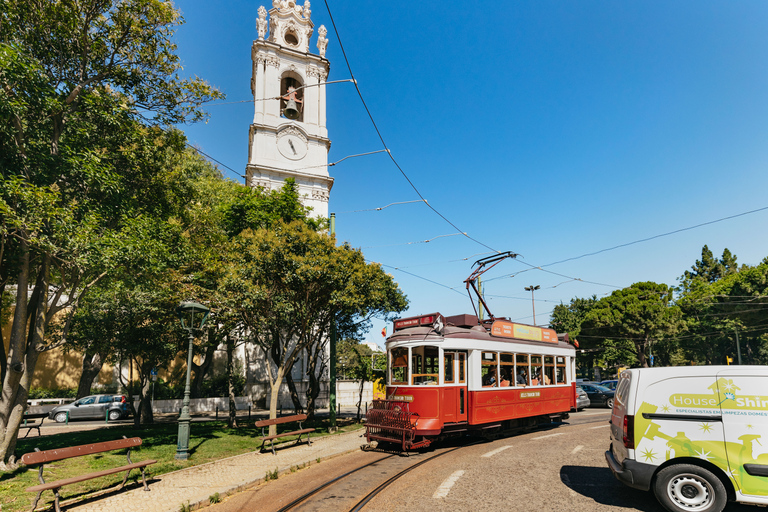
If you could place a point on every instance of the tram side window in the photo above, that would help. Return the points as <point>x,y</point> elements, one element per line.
<point>490,370</point>
<point>536,368</point>
<point>399,366</point>
<point>506,369</point>
<point>523,377</point>
<point>425,365</point>
<point>560,370</point>
<point>448,377</point>
<point>549,370</point>
<point>462,368</point>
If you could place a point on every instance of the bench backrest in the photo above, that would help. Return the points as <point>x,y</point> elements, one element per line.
<point>283,419</point>
<point>77,451</point>
<point>34,416</point>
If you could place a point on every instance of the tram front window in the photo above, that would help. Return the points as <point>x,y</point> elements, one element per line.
<point>425,365</point>
<point>399,365</point>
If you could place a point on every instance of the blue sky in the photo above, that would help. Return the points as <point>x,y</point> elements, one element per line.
<point>552,129</point>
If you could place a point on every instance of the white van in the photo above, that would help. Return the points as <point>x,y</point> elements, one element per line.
<point>697,435</point>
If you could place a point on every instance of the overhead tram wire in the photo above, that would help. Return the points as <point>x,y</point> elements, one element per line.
<point>658,236</point>
<point>381,137</point>
<point>418,277</point>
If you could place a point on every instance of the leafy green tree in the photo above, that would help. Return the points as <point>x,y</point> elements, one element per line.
<point>708,269</point>
<point>81,86</point>
<point>289,282</point>
<point>640,314</point>
<point>717,312</point>
<point>354,361</point>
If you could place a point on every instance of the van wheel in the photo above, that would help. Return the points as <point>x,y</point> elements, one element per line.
<point>685,487</point>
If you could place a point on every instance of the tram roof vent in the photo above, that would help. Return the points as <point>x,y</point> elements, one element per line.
<point>462,320</point>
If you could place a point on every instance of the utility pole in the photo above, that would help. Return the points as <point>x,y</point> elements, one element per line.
<point>738,345</point>
<point>332,363</point>
<point>533,289</point>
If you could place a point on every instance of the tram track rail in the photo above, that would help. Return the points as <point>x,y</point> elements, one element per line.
<point>361,503</point>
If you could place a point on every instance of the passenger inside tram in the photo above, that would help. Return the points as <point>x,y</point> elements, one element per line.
<point>504,379</point>
<point>522,378</point>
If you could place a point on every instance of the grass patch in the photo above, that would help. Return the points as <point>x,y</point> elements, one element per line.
<point>209,441</point>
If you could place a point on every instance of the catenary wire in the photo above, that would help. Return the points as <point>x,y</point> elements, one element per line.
<point>384,144</point>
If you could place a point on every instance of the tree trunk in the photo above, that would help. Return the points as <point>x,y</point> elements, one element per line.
<point>13,410</point>
<point>145,400</point>
<point>16,345</point>
<point>92,363</point>
<point>297,407</point>
<point>360,399</point>
<point>232,418</point>
<point>274,397</point>
<point>200,370</point>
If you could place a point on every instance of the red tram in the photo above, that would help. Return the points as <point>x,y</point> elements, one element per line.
<point>451,375</point>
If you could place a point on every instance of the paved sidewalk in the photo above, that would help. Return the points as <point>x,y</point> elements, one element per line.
<point>196,484</point>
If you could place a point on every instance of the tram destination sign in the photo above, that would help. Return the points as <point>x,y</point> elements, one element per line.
<point>505,329</point>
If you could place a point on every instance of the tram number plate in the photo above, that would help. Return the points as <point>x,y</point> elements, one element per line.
<point>530,394</point>
<point>401,398</point>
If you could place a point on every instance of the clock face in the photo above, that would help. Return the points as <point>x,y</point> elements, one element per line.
<point>292,146</point>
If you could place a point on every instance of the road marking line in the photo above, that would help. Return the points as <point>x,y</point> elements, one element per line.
<point>445,487</point>
<point>550,435</point>
<point>577,449</point>
<point>601,426</point>
<point>497,450</point>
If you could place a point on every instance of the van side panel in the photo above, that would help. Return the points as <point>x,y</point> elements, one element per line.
<point>744,408</point>
<point>717,414</point>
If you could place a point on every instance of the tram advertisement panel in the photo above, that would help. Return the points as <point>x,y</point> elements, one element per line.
<point>505,329</point>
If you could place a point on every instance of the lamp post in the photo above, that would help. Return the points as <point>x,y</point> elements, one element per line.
<point>192,316</point>
<point>533,289</point>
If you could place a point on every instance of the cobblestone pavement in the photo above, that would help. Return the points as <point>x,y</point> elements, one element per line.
<point>195,485</point>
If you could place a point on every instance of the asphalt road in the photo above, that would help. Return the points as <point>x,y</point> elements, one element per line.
<point>556,469</point>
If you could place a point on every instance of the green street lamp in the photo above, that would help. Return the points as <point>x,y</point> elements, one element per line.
<point>192,316</point>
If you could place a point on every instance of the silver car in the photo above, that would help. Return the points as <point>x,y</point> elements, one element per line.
<point>92,407</point>
<point>582,399</point>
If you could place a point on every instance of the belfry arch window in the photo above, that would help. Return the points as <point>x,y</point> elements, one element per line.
<point>291,98</point>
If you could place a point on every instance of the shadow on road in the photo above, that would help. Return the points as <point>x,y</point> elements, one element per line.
<point>600,485</point>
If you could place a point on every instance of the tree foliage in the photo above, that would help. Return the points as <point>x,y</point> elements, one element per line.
<point>84,87</point>
<point>289,282</point>
<point>641,314</point>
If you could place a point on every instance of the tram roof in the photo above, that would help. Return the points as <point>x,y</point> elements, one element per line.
<point>435,327</point>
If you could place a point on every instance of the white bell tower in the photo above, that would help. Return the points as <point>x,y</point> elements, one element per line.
<point>288,137</point>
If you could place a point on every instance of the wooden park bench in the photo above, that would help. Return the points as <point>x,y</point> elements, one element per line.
<point>29,425</point>
<point>42,457</point>
<point>279,421</point>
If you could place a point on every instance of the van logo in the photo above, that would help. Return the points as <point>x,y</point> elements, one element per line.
<point>728,401</point>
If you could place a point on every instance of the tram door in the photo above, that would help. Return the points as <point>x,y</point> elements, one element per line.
<point>454,391</point>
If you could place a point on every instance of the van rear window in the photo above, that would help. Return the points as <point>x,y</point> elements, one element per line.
<point>622,390</point>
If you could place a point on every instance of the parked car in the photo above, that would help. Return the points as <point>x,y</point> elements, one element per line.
<point>599,396</point>
<point>582,399</point>
<point>113,407</point>
<point>610,384</point>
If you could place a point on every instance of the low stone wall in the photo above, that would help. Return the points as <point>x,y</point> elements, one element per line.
<point>347,395</point>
